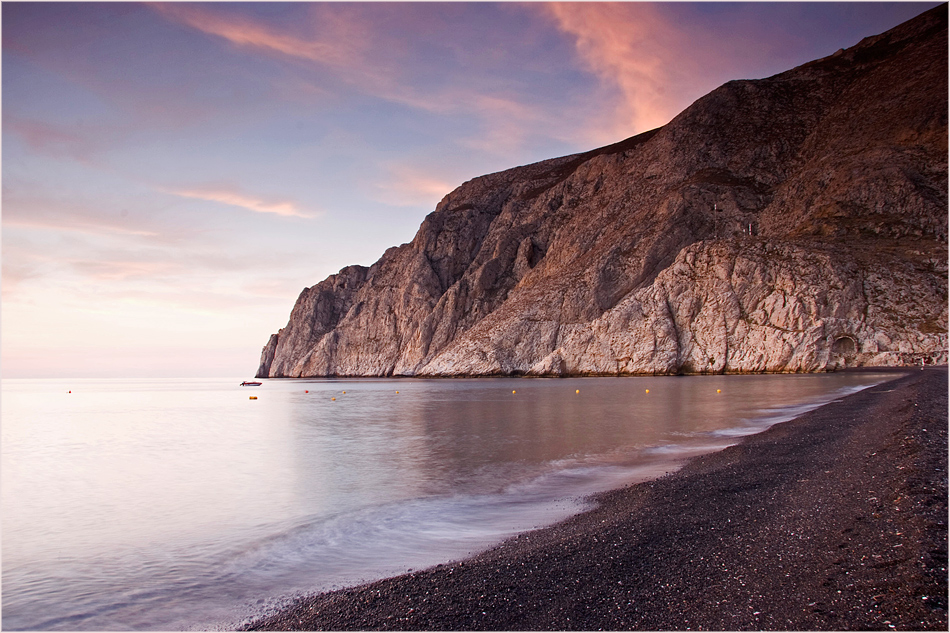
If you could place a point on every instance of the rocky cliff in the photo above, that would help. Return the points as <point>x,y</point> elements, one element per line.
<point>789,224</point>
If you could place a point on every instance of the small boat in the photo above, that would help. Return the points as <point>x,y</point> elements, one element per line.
<point>250,384</point>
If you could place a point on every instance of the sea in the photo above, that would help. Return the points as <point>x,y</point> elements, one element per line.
<point>199,504</point>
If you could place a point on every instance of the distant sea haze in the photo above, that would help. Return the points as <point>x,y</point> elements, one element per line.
<point>169,504</point>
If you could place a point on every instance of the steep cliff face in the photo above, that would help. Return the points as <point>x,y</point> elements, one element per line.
<point>795,223</point>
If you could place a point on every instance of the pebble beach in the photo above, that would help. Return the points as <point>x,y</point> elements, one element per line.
<point>836,520</point>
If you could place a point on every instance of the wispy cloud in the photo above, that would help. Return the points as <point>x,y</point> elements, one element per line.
<point>57,141</point>
<point>27,207</point>
<point>508,124</point>
<point>633,48</point>
<point>336,38</point>
<point>338,41</point>
<point>235,197</point>
<point>339,48</point>
<point>122,268</point>
<point>412,186</point>
<point>41,135</point>
<point>20,265</point>
<point>88,227</point>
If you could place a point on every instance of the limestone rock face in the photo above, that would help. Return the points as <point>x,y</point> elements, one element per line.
<point>790,224</point>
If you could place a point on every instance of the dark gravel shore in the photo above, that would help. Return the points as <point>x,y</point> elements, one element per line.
<point>835,520</point>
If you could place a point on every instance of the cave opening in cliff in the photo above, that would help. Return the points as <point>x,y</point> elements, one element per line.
<point>844,346</point>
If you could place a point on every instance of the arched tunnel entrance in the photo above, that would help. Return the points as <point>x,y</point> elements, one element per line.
<point>845,346</point>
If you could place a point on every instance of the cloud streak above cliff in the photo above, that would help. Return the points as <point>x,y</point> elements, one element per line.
<point>171,169</point>
<point>234,197</point>
<point>632,47</point>
<point>243,31</point>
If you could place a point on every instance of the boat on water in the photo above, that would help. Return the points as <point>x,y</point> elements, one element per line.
<point>248,383</point>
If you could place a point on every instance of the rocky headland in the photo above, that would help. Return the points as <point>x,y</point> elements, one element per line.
<point>790,224</point>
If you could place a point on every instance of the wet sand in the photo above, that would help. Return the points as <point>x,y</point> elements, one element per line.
<point>834,520</point>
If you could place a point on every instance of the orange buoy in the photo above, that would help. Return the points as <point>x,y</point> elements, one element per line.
<point>648,391</point>
<point>253,398</point>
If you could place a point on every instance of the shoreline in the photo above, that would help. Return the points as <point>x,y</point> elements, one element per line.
<point>896,369</point>
<point>834,520</point>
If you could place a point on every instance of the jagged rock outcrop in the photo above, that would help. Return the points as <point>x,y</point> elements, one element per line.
<point>794,223</point>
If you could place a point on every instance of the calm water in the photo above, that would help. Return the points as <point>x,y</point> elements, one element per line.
<point>172,504</point>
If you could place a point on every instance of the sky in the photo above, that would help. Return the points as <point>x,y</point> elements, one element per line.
<point>174,174</point>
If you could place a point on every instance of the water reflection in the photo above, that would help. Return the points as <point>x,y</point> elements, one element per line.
<point>475,436</point>
<point>168,504</point>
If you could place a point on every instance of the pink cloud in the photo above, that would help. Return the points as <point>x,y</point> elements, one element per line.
<point>117,269</point>
<point>634,49</point>
<point>53,140</point>
<point>339,40</point>
<point>507,124</point>
<point>40,135</point>
<point>234,197</point>
<point>339,49</point>
<point>48,213</point>
<point>76,225</point>
<point>350,43</point>
<point>409,186</point>
<point>19,265</point>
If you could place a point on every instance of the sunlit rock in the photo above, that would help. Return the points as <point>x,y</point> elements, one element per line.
<point>790,224</point>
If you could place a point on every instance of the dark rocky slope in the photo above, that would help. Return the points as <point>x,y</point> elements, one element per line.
<point>794,223</point>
